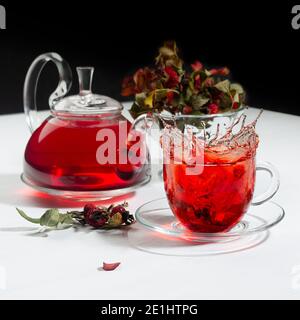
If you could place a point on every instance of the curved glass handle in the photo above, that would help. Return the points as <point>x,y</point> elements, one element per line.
<point>142,123</point>
<point>31,81</point>
<point>274,186</point>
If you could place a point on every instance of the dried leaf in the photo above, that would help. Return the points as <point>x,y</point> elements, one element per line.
<point>26,217</point>
<point>50,218</point>
<point>140,98</point>
<point>115,220</point>
<point>237,88</point>
<point>65,219</point>
<point>137,110</point>
<point>149,100</point>
<point>223,86</point>
<point>198,101</point>
<point>236,98</point>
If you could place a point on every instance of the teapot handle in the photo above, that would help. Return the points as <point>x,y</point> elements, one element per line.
<point>31,81</point>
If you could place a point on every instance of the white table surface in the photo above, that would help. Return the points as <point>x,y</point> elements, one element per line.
<point>63,264</point>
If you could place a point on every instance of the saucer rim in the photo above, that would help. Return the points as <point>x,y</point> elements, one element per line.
<point>221,235</point>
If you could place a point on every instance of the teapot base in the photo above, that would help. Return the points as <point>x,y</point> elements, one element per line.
<point>85,195</point>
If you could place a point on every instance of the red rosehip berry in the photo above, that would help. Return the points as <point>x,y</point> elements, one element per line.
<point>88,209</point>
<point>187,110</point>
<point>197,82</point>
<point>224,71</point>
<point>213,108</point>
<point>96,218</point>
<point>119,208</point>
<point>197,66</point>
<point>170,97</point>
<point>235,105</point>
<point>209,82</point>
<point>173,77</point>
<point>213,72</point>
<point>122,210</point>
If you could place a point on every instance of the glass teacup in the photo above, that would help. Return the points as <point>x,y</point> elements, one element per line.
<point>209,182</point>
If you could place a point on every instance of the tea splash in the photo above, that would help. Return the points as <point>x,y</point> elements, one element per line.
<point>217,198</point>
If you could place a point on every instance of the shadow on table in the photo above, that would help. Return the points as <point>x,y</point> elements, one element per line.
<point>14,192</point>
<point>156,243</point>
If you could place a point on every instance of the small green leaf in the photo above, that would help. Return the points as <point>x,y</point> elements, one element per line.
<point>50,218</point>
<point>136,110</point>
<point>223,86</point>
<point>26,217</point>
<point>205,74</point>
<point>198,101</point>
<point>160,94</point>
<point>140,98</point>
<point>225,102</point>
<point>65,219</point>
<point>189,93</point>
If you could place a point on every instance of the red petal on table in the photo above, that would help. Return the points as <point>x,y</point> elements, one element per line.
<point>110,266</point>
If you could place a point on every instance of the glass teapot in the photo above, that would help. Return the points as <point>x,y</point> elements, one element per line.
<point>86,144</point>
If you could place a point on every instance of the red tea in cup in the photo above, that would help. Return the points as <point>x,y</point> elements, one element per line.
<point>216,198</point>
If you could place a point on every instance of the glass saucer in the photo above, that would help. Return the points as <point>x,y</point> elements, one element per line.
<point>84,195</point>
<point>153,242</point>
<point>157,216</point>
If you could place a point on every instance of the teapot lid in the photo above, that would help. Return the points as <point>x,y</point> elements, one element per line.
<point>86,103</point>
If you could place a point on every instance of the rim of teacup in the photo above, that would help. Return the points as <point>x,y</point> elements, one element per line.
<point>203,116</point>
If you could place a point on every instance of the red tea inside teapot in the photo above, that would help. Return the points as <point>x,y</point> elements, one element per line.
<point>85,144</point>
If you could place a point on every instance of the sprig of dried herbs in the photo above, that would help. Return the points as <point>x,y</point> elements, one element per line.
<point>113,216</point>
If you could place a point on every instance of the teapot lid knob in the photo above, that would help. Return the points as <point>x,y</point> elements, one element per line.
<point>87,103</point>
<point>85,77</point>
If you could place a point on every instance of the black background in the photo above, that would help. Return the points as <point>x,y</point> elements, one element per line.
<point>255,40</point>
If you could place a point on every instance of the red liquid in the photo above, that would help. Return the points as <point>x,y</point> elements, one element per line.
<point>61,154</point>
<point>216,199</point>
